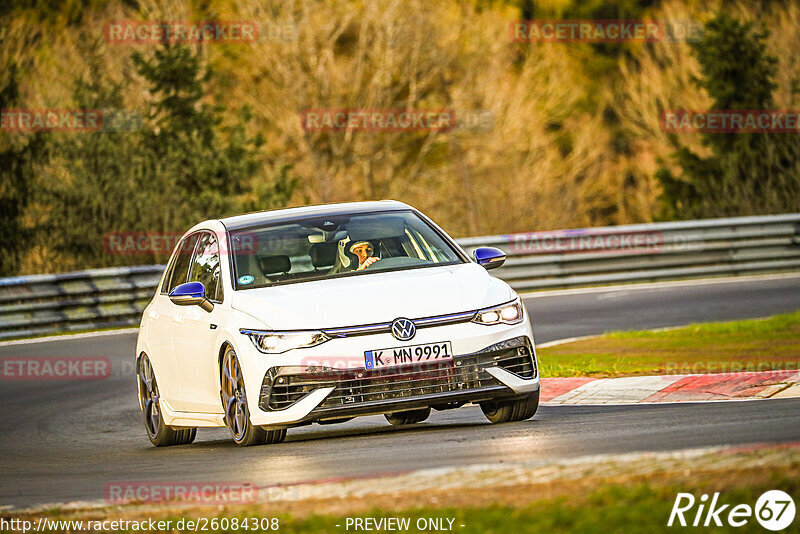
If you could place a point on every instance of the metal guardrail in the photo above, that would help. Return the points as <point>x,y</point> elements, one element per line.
<point>650,252</point>
<point>99,298</point>
<point>41,304</point>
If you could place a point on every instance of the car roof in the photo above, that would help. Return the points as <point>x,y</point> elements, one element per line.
<point>288,214</point>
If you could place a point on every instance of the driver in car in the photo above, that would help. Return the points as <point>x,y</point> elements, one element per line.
<point>364,250</point>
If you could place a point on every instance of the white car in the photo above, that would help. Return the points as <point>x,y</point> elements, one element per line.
<point>276,319</point>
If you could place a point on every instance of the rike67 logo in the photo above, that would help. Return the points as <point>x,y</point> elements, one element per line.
<point>774,510</point>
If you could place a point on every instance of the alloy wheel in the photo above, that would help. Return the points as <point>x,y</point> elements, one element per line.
<point>148,396</point>
<point>234,397</point>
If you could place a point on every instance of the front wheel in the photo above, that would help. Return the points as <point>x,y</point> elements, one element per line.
<point>508,411</point>
<point>234,402</point>
<point>160,434</point>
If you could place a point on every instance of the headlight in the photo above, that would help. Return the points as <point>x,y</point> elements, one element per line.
<point>278,342</point>
<point>505,314</point>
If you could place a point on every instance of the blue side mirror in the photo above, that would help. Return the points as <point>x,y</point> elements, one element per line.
<point>191,294</point>
<point>489,257</point>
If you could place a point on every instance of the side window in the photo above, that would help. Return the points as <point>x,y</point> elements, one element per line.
<point>205,266</point>
<point>178,270</point>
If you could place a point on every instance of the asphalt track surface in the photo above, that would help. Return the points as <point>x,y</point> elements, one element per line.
<point>63,441</point>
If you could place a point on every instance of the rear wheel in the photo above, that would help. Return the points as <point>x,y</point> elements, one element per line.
<point>160,434</point>
<point>508,411</point>
<point>234,402</point>
<point>409,417</point>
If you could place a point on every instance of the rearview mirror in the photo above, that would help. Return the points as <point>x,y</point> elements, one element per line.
<point>369,227</point>
<point>489,257</point>
<point>191,294</point>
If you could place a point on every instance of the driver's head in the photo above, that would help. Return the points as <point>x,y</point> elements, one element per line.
<point>362,249</point>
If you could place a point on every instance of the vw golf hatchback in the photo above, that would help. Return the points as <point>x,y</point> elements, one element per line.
<point>271,320</point>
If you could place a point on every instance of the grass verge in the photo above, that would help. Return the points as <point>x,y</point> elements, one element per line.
<point>752,345</point>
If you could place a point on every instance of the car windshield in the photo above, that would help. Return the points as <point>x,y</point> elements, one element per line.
<point>335,246</point>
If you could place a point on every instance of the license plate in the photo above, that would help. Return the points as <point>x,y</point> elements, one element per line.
<point>378,359</point>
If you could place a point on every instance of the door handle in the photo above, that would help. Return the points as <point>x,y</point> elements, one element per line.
<point>177,319</point>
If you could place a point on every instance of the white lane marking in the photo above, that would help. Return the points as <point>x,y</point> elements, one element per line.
<point>68,337</point>
<point>656,285</point>
<point>565,340</point>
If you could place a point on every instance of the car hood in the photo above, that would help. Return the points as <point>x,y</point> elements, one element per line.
<point>373,298</point>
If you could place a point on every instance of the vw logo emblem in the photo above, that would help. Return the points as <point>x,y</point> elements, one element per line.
<point>403,329</point>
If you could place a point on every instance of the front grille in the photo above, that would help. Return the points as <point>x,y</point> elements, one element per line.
<point>360,386</point>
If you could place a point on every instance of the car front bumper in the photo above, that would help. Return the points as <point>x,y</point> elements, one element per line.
<point>299,390</point>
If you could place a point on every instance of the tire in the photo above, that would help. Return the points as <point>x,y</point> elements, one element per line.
<point>160,435</point>
<point>408,418</point>
<point>234,404</point>
<point>509,411</point>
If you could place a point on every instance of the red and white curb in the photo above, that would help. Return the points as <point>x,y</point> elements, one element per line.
<point>671,388</point>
